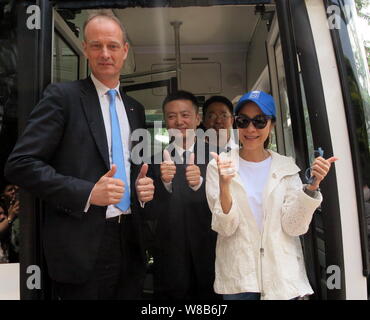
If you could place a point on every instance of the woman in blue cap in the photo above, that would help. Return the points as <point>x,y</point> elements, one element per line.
<point>259,209</point>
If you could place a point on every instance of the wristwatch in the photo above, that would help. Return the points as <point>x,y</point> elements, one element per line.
<point>10,221</point>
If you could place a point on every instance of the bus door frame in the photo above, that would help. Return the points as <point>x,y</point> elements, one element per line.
<point>299,53</point>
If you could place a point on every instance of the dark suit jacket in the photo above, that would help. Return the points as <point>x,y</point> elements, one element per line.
<point>184,250</point>
<point>62,153</point>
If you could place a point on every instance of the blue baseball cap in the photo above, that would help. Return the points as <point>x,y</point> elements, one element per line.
<point>263,100</point>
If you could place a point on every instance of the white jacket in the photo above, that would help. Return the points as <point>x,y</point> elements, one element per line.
<point>270,262</point>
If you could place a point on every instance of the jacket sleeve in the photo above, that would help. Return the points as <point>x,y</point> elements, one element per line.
<point>224,224</point>
<point>298,207</point>
<point>29,164</point>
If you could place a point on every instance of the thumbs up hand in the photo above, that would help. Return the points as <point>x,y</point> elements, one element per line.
<point>107,190</point>
<point>192,172</point>
<point>226,169</point>
<point>167,167</point>
<point>319,170</point>
<point>144,185</point>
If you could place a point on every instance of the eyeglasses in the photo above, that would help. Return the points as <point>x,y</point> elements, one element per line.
<point>214,116</point>
<point>259,122</point>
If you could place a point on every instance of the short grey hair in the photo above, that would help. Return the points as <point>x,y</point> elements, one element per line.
<point>107,14</point>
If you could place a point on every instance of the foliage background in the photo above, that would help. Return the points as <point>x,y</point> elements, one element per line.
<point>363,11</point>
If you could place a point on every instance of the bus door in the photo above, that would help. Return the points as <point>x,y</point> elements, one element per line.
<point>293,136</point>
<point>305,84</point>
<point>68,60</point>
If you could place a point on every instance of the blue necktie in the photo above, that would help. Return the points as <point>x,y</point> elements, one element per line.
<point>117,151</point>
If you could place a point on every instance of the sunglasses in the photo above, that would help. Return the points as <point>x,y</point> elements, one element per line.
<point>259,122</point>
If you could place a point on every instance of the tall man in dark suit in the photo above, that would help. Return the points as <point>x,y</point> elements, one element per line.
<point>74,154</point>
<point>184,254</point>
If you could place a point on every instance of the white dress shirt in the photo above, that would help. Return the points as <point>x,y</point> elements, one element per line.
<point>113,211</point>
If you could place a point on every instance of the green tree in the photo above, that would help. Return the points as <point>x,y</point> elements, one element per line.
<point>363,7</point>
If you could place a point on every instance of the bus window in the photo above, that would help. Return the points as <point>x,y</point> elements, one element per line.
<point>310,146</point>
<point>283,102</point>
<point>65,61</point>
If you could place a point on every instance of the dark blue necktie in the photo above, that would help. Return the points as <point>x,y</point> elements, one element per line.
<point>185,157</point>
<point>117,151</point>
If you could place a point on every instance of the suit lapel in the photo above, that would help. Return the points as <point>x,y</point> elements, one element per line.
<point>130,111</point>
<point>91,106</point>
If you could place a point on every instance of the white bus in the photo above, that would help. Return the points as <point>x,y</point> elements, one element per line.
<point>306,53</point>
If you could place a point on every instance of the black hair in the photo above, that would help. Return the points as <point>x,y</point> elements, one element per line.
<point>266,144</point>
<point>220,99</point>
<point>181,95</point>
